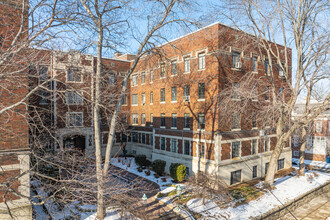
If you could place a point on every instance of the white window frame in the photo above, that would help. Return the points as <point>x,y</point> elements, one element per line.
<point>151,98</point>
<point>143,98</point>
<point>160,143</point>
<point>151,76</point>
<point>161,116</point>
<point>143,119</point>
<point>201,60</point>
<point>255,63</point>
<point>186,61</point>
<point>239,150</point>
<point>74,98</point>
<point>73,81</point>
<point>234,115</point>
<point>143,78</point>
<point>176,147</point>
<point>135,80</point>
<point>162,66</point>
<point>184,147</point>
<point>151,119</point>
<point>174,71</point>
<point>318,127</point>
<point>135,117</point>
<point>267,140</point>
<point>184,122</point>
<point>68,114</point>
<point>137,100</point>
<point>256,152</point>
<point>175,94</point>
<point>174,116</point>
<point>162,101</point>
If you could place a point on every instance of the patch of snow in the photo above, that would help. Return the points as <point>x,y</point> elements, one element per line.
<point>168,190</point>
<point>287,188</point>
<point>111,214</point>
<point>319,164</point>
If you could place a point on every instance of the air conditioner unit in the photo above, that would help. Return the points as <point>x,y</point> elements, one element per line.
<point>238,65</point>
<point>186,98</point>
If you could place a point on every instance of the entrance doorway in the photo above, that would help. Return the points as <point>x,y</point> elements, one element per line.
<point>76,142</point>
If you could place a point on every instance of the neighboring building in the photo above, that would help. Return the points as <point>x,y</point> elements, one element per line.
<point>14,130</point>
<point>318,140</point>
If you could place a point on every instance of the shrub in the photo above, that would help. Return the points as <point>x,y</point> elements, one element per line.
<point>140,169</point>
<point>178,172</point>
<point>147,172</point>
<point>159,166</point>
<point>156,175</point>
<point>141,160</point>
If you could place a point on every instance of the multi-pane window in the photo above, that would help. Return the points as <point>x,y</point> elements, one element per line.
<point>235,121</point>
<point>186,147</point>
<point>174,121</point>
<point>254,149</point>
<point>266,167</point>
<point>254,171</point>
<point>280,164</point>
<point>235,91</point>
<point>151,139</point>
<point>201,61</point>
<point>43,97</point>
<point>280,71</point>
<point>143,119</point>
<point>267,93</point>
<point>235,149</point>
<point>202,150</point>
<point>186,120</point>
<point>162,143</point>
<point>174,145</point>
<point>143,138</point>
<point>201,90</point>
<point>151,119</point>
<point>174,68</point>
<point>124,100</point>
<point>111,79</point>
<point>143,96</point>
<point>235,60</point>
<point>235,177</point>
<point>254,120</point>
<point>151,76</point>
<point>43,74</point>
<point>162,70</point>
<point>134,99</point>
<point>151,97</point>
<point>201,121</point>
<point>134,80</point>
<point>187,64</point>
<point>318,127</point>
<point>174,94</point>
<point>162,95</point>
<point>267,144</point>
<point>72,75</point>
<point>267,68</point>
<point>135,137</point>
<point>74,119</point>
<point>135,119</point>
<point>73,98</point>
<point>255,93</point>
<point>143,77</point>
<point>186,93</point>
<point>162,120</point>
<point>254,64</point>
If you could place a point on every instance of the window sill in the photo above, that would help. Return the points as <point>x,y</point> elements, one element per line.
<point>201,129</point>
<point>174,75</point>
<point>236,158</point>
<point>254,100</point>
<point>236,69</point>
<point>135,105</point>
<point>175,128</point>
<point>124,105</point>
<point>201,100</point>
<point>162,102</point>
<point>162,127</point>
<point>143,124</point>
<point>135,124</point>
<point>174,101</point>
<point>236,129</point>
<point>151,82</point>
<point>186,72</point>
<point>201,69</point>
<point>143,84</point>
<point>236,100</point>
<point>255,128</point>
<point>162,77</point>
<point>187,129</point>
<point>255,72</point>
<point>151,103</point>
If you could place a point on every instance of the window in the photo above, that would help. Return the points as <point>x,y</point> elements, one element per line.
<point>187,64</point>
<point>186,120</point>
<point>235,60</point>
<point>174,94</point>
<point>266,167</point>
<point>254,149</point>
<point>44,95</point>
<point>267,93</point>
<point>280,72</point>
<point>255,93</point>
<point>143,78</point>
<point>174,121</point>
<point>162,95</point>
<point>74,119</point>
<point>235,91</point>
<point>201,90</point>
<point>280,92</point>
<point>280,164</point>
<point>254,172</point>
<point>174,145</point>
<point>186,147</point>
<point>235,150</point>
<point>43,74</point>
<point>254,120</point>
<point>143,96</point>
<point>135,137</point>
<point>111,79</point>
<point>235,121</point>
<point>143,119</point>
<point>151,139</point>
<point>296,141</point>
<point>267,148</point>
<point>201,61</point>
<point>201,121</point>
<point>134,80</point>
<point>235,177</point>
<point>143,138</point>
<point>254,64</point>
<point>186,93</point>
<point>202,150</point>
<point>151,76</point>
<point>151,98</point>
<point>73,98</point>
<point>162,70</point>
<point>134,99</point>
<point>135,118</point>
<point>72,75</point>
<point>267,68</point>
<point>151,119</point>
<point>296,153</point>
<point>174,68</point>
<point>162,143</point>
<point>162,120</point>
<point>318,127</point>
<point>124,100</point>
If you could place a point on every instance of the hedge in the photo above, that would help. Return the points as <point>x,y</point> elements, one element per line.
<point>159,166</point>
<point>178,172</point>
<point>141,160</point>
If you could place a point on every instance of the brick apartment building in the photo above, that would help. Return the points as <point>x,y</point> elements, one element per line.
<point>318,140</point>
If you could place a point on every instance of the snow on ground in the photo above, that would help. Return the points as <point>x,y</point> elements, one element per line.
<point>133,169</point>
<point>111,214</point>
<point>320,164</point>
<point>287,188</point>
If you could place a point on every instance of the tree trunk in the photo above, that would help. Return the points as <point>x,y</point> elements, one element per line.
<point>302,153</point>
